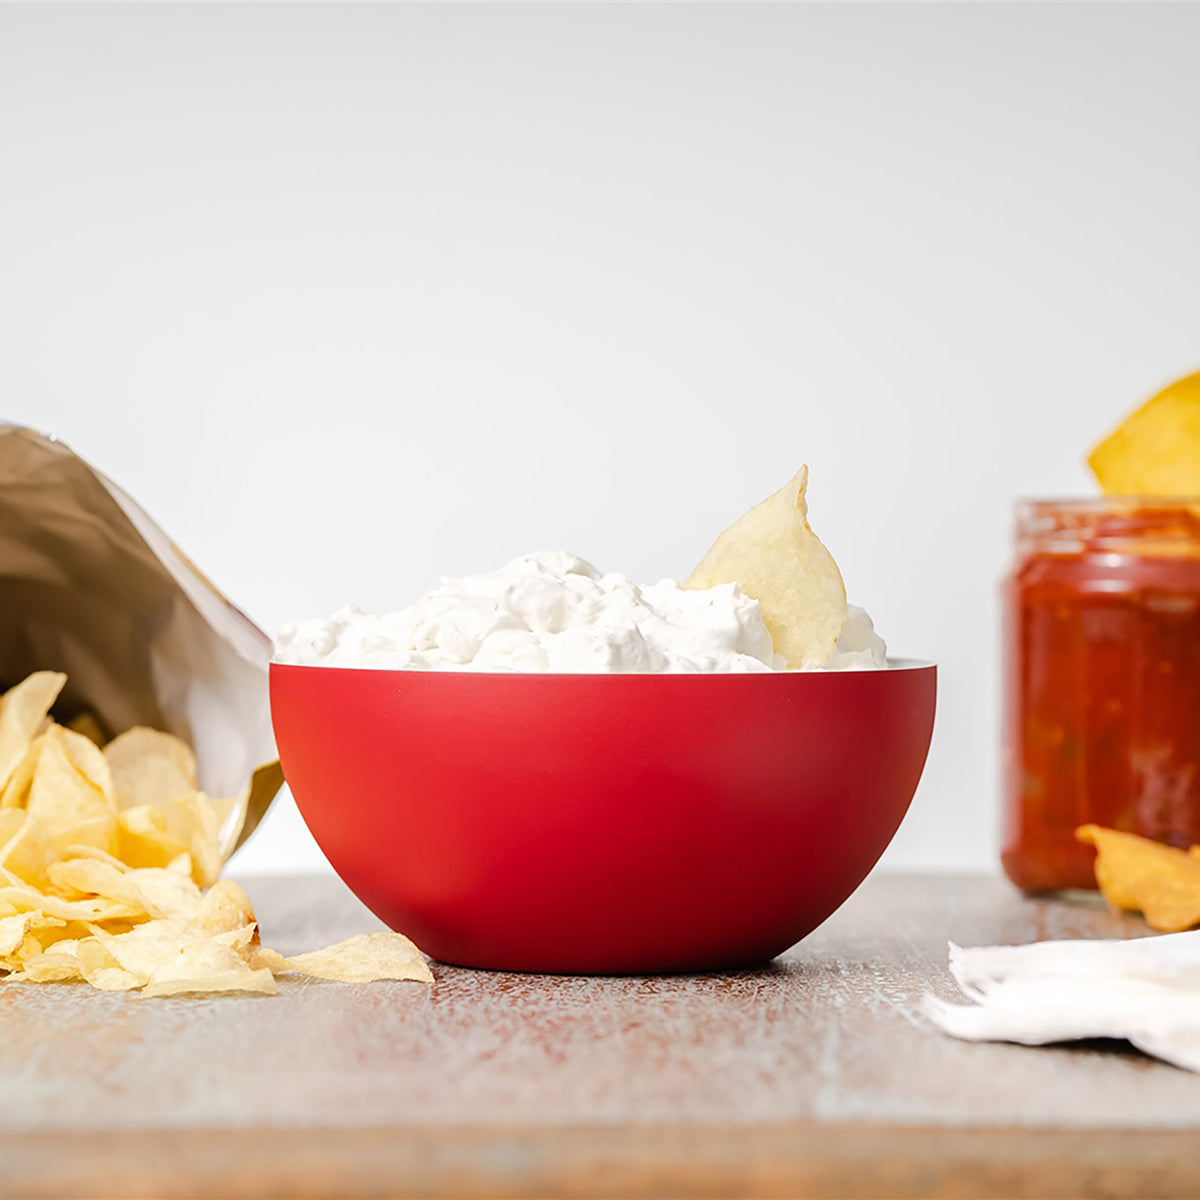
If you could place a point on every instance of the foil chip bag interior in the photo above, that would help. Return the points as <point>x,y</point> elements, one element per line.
<point>91,586</point>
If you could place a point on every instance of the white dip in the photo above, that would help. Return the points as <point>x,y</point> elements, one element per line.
<point>554,612</point>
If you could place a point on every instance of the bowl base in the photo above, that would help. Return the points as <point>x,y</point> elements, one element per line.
<point>732,966</point>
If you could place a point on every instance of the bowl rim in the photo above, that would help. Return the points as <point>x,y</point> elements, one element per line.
<point>893,665</point>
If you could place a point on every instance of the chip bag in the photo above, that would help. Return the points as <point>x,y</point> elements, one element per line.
<point>92,587</point>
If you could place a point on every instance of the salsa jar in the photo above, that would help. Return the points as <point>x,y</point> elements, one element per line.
<point>1101,717</point>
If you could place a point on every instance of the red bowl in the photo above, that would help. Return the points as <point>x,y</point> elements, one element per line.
<point>602,824</point>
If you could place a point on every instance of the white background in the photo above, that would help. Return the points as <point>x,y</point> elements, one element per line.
<point>350,297</point>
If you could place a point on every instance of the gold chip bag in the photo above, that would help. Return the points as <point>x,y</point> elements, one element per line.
<point>136,752</point>
<point>91,588</point>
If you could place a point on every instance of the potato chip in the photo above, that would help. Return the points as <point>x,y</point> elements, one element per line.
<point>66,804</point>
<point>28,899</point>
<point>195,814</point>
<point>153,946</point>
<point>99,968</point>
<point>15,932</point>
<point>149,767</point>
<point>58,963</point>
<point>156,834</point>
<point>86,757</point>
<point>54,966</point>
<point>271,959</point>
<point>166,959</point>
<point>153,891</point>
<point>777,559</point>
<point>39,844</point>
<point>145,839</point>
<point>16,791</point>
<point>49,933</point>
<point>85,723</point>
<point>1156,450</point>
<point>104,861</point>
<point>71,785</point>
<point>225,908</point>
<point>1139,875</point>
<point>22,710</point>
<point>205,979</point>
<point>11,822</point>
<point>364,959</point>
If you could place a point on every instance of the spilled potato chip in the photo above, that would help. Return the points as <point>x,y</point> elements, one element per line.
<point>109,863</point>
<point>362,959</point>
<point>1156,449</point>
<point>777,560</point>
<point>1140,875</point>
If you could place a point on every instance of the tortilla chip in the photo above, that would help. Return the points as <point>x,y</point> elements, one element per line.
<point>1139,875</point>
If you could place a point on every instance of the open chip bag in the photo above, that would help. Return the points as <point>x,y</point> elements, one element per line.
<point>136,751</point>
<point>92,587</point>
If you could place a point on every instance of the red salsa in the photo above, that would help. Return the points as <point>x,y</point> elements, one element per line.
<point>1102,662</point>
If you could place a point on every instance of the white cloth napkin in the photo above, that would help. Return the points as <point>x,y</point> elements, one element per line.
<point>1146,990</point>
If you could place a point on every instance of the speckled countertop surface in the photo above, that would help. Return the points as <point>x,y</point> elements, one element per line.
<point>813,1075</point>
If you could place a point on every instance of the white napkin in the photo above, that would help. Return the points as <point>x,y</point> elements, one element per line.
<point>1146,990</point>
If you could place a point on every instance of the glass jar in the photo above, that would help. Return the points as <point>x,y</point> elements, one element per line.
<point>1102,681</point>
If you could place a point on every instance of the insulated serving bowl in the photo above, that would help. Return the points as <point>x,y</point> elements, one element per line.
<point>603,824</point>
